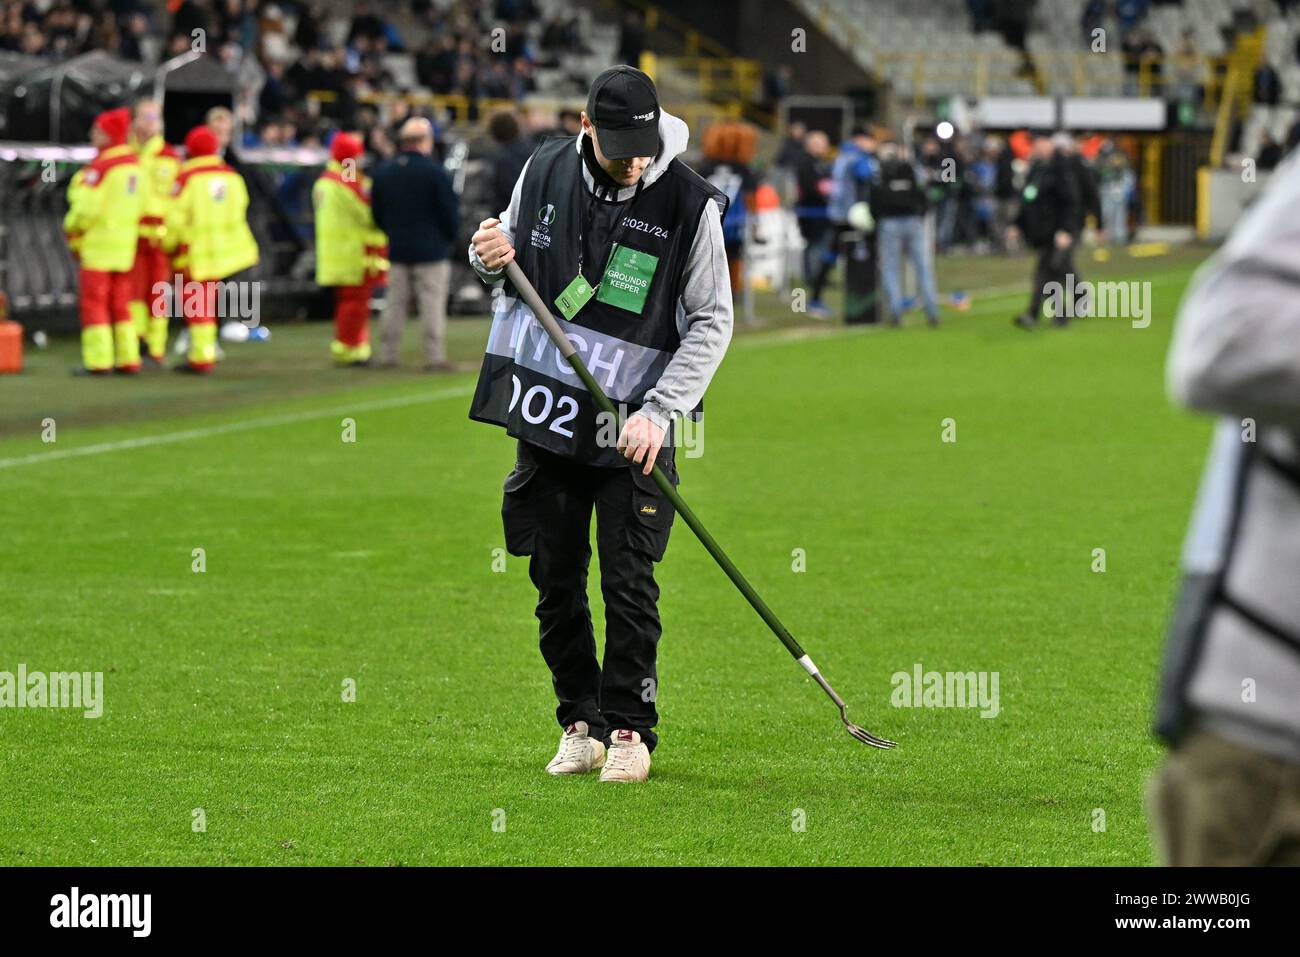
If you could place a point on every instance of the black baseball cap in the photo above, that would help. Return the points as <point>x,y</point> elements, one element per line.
<point>623,105</point>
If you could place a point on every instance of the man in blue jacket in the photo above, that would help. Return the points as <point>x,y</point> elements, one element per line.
<point>415,205</point>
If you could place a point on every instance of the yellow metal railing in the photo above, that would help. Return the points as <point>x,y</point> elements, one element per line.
<point>1238,89</point>
<point>694,43</point>
<point>719,73</point>
<point>940,71</point>
<point>1223,120</point>
<point>459,109</point>
<point>733,78</point>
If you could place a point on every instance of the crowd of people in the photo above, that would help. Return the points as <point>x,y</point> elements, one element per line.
<point>976,187</point>
<point>288,53</point>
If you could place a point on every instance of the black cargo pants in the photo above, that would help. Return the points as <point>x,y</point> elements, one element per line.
<point>547,515</point>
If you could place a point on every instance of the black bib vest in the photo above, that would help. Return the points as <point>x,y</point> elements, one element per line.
<point>635,257</point>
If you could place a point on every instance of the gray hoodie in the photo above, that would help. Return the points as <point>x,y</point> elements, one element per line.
<point>704,312</point>
<point>1236,353</point>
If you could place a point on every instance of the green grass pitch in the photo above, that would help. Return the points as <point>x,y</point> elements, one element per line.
<point>373,561</point>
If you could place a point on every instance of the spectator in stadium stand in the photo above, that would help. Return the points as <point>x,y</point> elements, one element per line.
<point>1270,152</point>
<point>981,15</point>
<point>1143,55</point>
<point>192,15</point>
<point>511,154</point>
<point>570,122</point>
<point>632,39</point>
<point>1228,792</point>
<point>1188,71</point>
<point>1093,18</point>
<point>134,32</point>
<point>813,191</point>
<point>365,24</point>
<point>415,206</point>
<point>776,86</point>
<point>898,204</point>
<point>221,121</point>
<point>1012,18</point>
<point>1268,86</point>
<point>1130,12</point>
<point>1049,211</point>
<point>435,65</point>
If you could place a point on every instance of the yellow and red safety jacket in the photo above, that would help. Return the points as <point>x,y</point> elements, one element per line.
<point>206,223</point>
<point>160,164</point>
<point>350,248</point>
<point>104,203</point>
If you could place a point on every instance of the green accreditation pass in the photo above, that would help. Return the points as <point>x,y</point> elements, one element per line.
<point>574,296</point>
<point>627,278</point>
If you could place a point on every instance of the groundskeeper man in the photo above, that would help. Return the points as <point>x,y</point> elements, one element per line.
<point>1228,794</point>
<point>208,236</point>
<point>351,252</point>
<point>626,241</point>
<point>104,202</point>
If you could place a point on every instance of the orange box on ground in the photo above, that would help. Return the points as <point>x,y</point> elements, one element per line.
<point>11,347</point>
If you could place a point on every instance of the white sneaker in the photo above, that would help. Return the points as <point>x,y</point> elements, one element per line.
<point>629,759</point>
<point>578,753</point>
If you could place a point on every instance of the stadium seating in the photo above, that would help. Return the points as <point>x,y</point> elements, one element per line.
<point>929,51</point>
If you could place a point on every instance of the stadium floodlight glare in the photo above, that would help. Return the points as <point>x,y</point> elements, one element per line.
<point>567,349</point>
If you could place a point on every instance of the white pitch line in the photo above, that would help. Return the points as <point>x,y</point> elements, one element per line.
<point>168,438</point>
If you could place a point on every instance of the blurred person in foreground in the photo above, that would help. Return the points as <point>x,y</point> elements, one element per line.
<point>206,232</point>
<point>351,252</point>
<point>160,164</point>
<point>1228,792</point>
<point>1049,219</point>
<point>898,204</point>
<point>417,209</point>
<point>103,219</point>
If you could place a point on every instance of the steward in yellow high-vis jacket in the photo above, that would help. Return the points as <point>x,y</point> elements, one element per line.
<point>159,165</point>
<point>206,231</point>
<point>104,201</point>
<point>351,252</point>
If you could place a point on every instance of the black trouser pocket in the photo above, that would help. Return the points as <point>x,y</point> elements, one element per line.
<point>519,513</point>
<point>652,512</point>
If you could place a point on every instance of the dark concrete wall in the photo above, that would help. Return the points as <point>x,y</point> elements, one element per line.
<point>761,30</point>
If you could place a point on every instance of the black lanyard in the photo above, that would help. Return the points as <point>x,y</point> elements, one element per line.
<point>585,223</point>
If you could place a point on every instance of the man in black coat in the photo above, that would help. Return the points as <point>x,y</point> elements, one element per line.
<point>508,161</point>
<point>417,208</point>
<point>1050,218</point>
